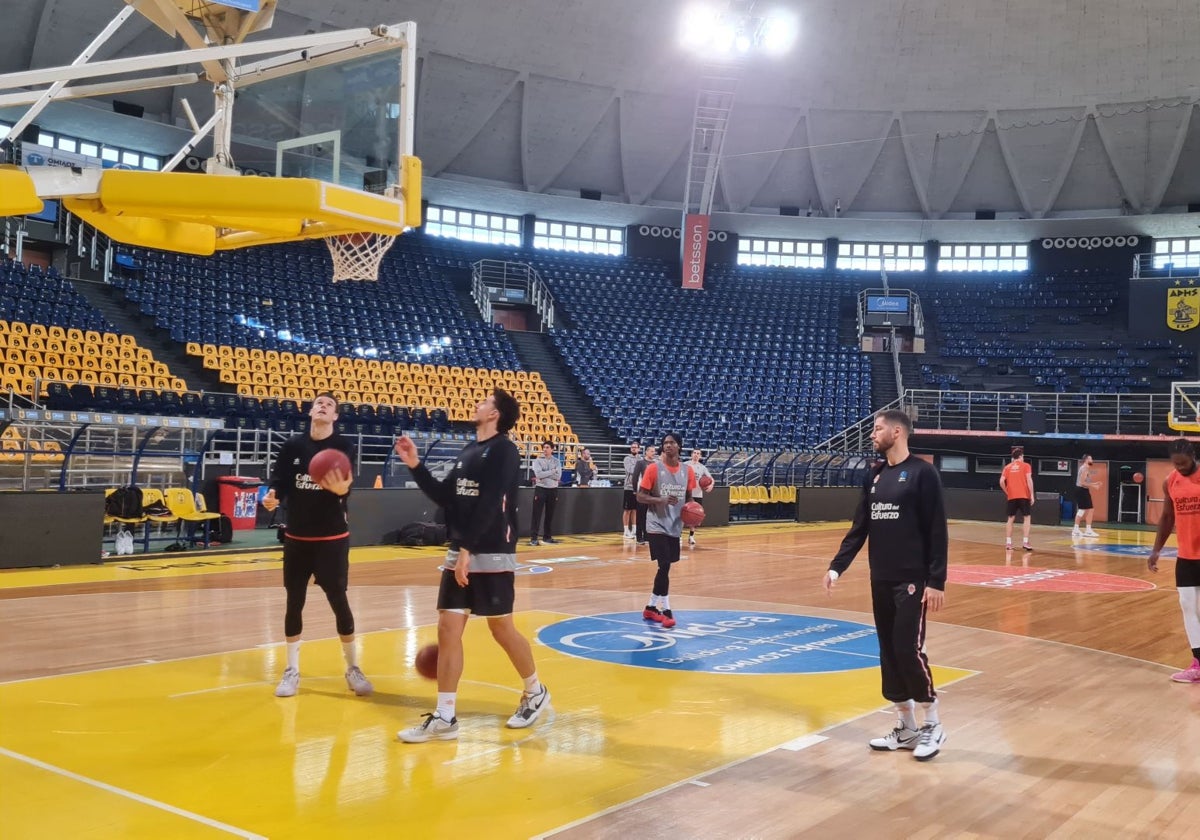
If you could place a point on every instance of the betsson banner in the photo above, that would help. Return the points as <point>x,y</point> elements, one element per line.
<point>695,248</point>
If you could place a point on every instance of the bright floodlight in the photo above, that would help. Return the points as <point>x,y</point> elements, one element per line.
<point>723,37</point>
<point>778,33</point>
<point>699,21</point>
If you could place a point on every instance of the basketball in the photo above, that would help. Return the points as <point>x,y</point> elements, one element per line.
<point>706,482</point>
<point>692,514</point>
<point>426,662</point>
<point>1138,478</point>
<point>326,461</point>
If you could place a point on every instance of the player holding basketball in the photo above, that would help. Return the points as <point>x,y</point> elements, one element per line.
<point>700,472</point>
<point>479,496</point>
<point>903,513</point>
<point>316,543</point>
<point>1181,513</point>
<point>1016,480</point>
<point>664,489</point>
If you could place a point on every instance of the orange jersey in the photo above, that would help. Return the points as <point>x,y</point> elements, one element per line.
<point>1016,480</point>
<point>1185,498</point>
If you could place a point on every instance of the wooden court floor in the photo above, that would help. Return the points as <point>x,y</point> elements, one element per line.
<point>136,699</point>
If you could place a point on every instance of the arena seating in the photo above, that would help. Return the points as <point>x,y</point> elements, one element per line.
<point>51,335</point>
<point>280,298</point>
<point>1063,333</point>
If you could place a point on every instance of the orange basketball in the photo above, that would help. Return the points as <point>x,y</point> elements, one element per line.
<point>1138,478</point>
<point>705,482</point>
<point>692,514</point>
<point>325,462</point>
<point>426,662</point>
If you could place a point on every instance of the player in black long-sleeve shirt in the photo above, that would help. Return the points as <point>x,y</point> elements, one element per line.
<point>479,497</point>
<point>316,543</point>
<point>903,514</point>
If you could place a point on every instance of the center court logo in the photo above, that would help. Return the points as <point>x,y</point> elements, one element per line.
<point>719,642</point>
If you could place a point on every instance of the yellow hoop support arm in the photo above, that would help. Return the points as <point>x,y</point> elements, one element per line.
<point>200,214</point>
<point>18,194</point>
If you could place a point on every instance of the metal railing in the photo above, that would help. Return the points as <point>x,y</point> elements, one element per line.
<point>1159,266</point>
<point>513,282</point>
<point>1003,411</point>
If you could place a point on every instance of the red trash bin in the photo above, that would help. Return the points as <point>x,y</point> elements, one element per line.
<point>239,500</point>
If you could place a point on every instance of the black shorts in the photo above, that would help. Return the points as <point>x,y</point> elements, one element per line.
<point>663,548</point>
<point>486,593</point>
<point>326,560</point>
<point>1083,498</point>
<point>629,500</point>
<point>1018,506</point>
<point>1187,572</point>
<point>698,500</point>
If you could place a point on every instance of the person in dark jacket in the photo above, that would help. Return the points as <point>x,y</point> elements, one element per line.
<point>903,513</point>
<point>479,497</point>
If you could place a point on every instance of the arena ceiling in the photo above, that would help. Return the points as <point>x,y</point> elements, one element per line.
<point>890,109</point>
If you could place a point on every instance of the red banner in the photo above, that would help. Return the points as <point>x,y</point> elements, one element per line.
<point>695,247</point>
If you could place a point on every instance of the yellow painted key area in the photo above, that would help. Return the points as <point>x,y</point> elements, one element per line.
<point>201,748</point>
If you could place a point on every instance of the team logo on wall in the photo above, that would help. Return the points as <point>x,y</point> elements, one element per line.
<point>1183,308</point>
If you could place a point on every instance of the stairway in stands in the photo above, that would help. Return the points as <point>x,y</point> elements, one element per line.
<point>536,352</point>
<point>127,319</point>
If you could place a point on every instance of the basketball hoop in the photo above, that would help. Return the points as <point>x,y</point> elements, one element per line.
<point>356,256</point>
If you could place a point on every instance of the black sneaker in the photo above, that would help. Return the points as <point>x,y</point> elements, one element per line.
<point>550,541</point>
<point>534,541</point>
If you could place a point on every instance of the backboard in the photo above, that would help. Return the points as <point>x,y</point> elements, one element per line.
<point>1185,407</point>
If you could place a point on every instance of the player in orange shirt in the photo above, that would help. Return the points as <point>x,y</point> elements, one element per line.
<point>1181,513</point>
<point>1016,480</point>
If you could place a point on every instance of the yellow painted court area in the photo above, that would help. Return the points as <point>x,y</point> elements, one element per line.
<point>201,748</point>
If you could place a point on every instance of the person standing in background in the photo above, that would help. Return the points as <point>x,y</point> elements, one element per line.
<point>638,472</point>
<point>547,473</point>
<point>1085,509</point>
<point>699,471</point>
<point>585,468</point>
<point>629,500</point>
<point>1016,480</point>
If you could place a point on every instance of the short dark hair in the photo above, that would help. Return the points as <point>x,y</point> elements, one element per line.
<point>675,437</point>
<point>896,417</point>
<point>1018,451</point>
<point>549,443</point>
<point>337,404</point>
<point>1182,446</point>
<point>509,408</point>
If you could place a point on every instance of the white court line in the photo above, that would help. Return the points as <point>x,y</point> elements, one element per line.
<point>803,743</point>
<point>691,780</point>
<point>136,797</point>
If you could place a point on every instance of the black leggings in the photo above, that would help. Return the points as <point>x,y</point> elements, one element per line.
<point>664,550</point>
<point>900,625</point>
<point>329,562</point>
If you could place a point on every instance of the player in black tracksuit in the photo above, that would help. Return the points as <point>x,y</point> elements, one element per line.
<point>903,514</point>
<point>479,496</point>
<point>317,540</point>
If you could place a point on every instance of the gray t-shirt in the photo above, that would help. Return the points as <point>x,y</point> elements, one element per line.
<point>631,462</point>
<point>699,470</point>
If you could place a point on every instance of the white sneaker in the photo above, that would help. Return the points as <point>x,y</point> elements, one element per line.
<point>691,542</point>
<point>435,728</point>
<point>929,741</point>
<point>529,709</point>
<point>1075,532</point>
<point>900,738</point>
<point>290,684</point>
<point>358,683</point>
<point>1008,545</point>
<point>1090,533</point>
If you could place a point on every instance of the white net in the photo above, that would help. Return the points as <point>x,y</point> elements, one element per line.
<point>356,256</point>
